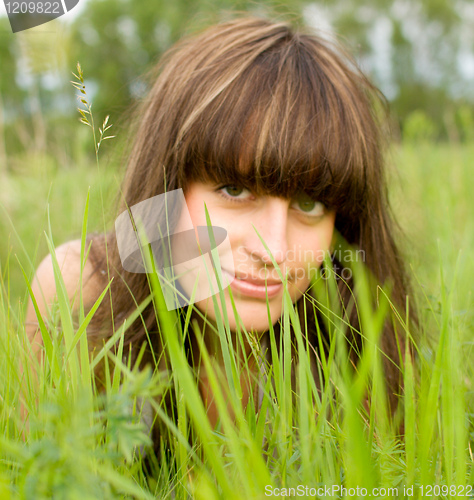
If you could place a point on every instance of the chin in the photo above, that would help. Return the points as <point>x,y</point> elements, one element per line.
<point>257,325</point>
<point>253,316</point>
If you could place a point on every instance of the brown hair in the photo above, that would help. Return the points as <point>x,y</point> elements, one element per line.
<point>255,103</point>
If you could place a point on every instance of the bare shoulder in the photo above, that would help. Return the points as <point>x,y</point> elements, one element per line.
<point>43,286</point>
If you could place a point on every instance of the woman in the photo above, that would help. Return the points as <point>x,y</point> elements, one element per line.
<point>277,133</point>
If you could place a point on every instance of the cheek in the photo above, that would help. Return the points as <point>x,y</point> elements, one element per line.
<point>315,247</point>
<point>195,208</point>
<point>197,215</point>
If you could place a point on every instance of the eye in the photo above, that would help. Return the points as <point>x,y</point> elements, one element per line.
<point>234,193</point>
<point>304,203</point>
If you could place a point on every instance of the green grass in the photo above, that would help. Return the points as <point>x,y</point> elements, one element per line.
<point>87,445</point>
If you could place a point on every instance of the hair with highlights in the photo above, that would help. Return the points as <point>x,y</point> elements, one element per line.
<point>257,104</point>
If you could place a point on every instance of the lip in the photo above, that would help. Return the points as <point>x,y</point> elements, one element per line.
<point>255,287</point>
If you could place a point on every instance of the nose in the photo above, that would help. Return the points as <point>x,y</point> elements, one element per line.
<point>271,222</point>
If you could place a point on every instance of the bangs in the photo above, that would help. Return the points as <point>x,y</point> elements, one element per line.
<point>288,123</point>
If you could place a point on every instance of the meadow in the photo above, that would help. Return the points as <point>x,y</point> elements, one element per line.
<point>84,444</point>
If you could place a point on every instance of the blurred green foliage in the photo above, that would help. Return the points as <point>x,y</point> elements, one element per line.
<point>81,447</point>
<point>417,51</point>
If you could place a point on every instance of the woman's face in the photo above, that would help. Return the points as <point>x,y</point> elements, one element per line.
<point>297,232</point>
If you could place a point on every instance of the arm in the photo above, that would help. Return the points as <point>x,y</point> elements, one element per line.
<point>44,289</point>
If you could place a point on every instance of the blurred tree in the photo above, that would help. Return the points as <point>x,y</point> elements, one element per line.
<point>11,95</point>
<point>34,74</point>
<point>465,119</point>
<point>411,48</point>
<point>418,128</point>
